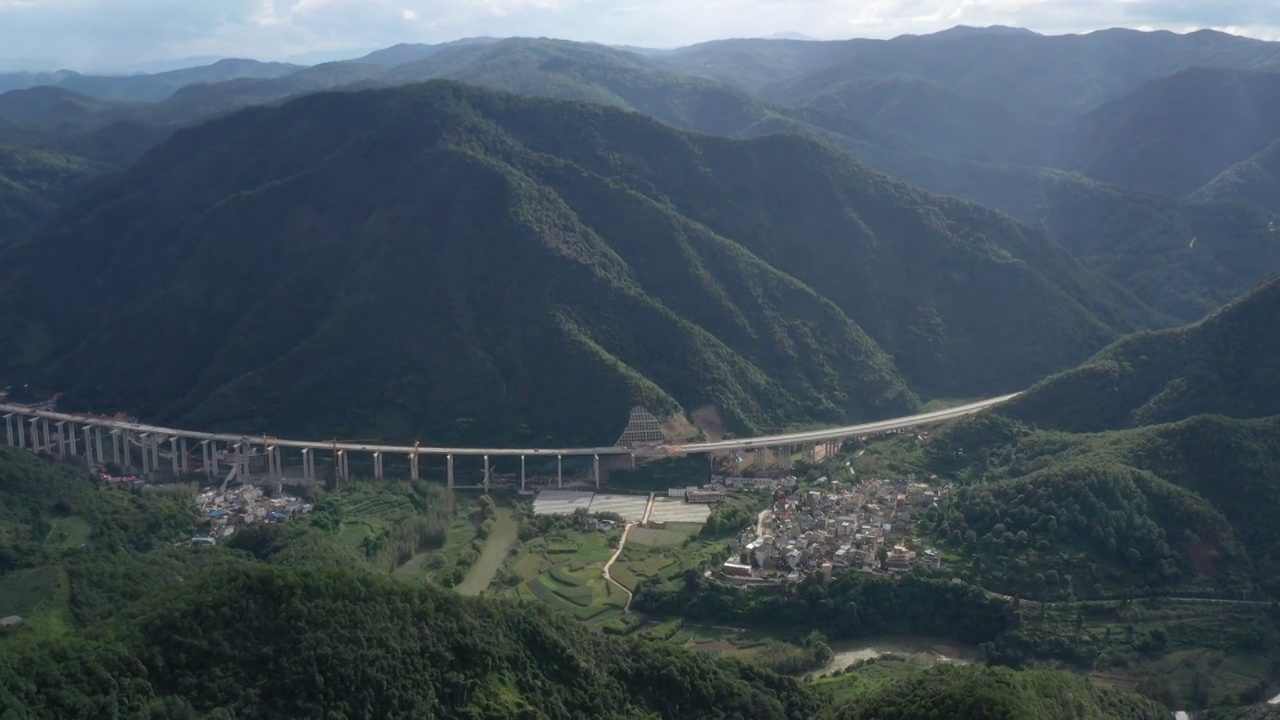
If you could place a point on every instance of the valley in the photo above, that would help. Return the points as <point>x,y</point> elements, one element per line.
<point>521,377</point>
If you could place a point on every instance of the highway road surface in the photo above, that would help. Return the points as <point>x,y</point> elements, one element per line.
<point>765,441</point>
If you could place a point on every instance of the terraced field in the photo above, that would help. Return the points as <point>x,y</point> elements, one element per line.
<point>566,573</point>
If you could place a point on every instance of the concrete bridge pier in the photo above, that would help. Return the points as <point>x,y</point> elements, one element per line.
<point>173,454</point>
<point>115,448</point>
<point>71,440</point>
<point>274,469</point>
<point>413,465</point>
<point>448,470</point>
<point>98,446</point>
<point>377,465</point>
<point>154,445</point>
<point>185,462</point>
<point>8,428</point>
<point>88,444</point>
<point>596,469</point>
<point>35,434</point>
<point>340,465</point>
<point>308,465</point>
<point>486,473</point>
<point>205,465</point>
<point>146,454</point>
<point>560,471</point>
<point>522,473</point>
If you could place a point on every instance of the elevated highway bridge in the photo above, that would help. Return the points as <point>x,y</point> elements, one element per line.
<point>98,439</point>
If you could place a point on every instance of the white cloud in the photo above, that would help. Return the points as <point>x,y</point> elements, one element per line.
<point>96,32</point>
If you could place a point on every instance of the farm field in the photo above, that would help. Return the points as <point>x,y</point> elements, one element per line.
<point>1188,654</point>
<point>566,573</point>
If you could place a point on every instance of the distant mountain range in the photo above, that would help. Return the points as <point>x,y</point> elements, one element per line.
<point>1121,214</point>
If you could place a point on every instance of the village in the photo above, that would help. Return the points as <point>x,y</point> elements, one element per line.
<point>838,527</point>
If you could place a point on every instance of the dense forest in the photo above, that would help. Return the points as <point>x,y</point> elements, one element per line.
<point>1179,507</point>
<point>735,285</point>
<point>1223,365</point>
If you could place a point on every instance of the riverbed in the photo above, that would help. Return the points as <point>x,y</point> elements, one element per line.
<point>848,652</point>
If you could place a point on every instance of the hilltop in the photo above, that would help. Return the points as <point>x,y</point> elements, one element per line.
<point>1222,365</point>
<point>772,278</point>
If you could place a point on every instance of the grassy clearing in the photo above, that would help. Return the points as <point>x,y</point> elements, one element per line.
<point>67,533</point>
<point>496,547</point>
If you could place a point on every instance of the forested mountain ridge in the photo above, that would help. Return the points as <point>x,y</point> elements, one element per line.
<point>923,108</point>
<point>1255,181</point>
<point>720,244</point>
<point>1175,134</point>
<point>1223,364</point>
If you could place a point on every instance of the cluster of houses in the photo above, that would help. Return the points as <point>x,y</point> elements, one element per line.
<point>232,508</point>
<point>838,527</point>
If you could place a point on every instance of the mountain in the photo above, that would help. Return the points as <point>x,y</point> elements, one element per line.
<point>405,53</point>
<point>1255,181</point>
<point>1182,257</point>
<point>933,116</point>
<point>1175,134</point>
<point>399,231</point>
<point>1222,364</point>
<point>1047,77</point>
<point>152,87</point>
<point>1191,497</point>
<point>35,183</point>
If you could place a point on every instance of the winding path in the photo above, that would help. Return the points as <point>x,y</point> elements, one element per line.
<point>622,543</point>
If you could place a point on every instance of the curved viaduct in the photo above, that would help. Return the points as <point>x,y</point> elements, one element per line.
<point>59,433</point>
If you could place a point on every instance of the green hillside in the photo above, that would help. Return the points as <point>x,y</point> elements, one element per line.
<point>958,691</point>
<point>35,183</point>
<point>340,644</point>
<point>1180,505</point>
<point>1140,240</point>
<point>1220,365</point>
<point>1255,181</point>
<point>297,280</point>
<point>1177,133</point>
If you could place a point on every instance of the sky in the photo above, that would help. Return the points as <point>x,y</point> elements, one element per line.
<point>111,34</point>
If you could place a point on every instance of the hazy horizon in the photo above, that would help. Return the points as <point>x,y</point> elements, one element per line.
<point>129,35</point>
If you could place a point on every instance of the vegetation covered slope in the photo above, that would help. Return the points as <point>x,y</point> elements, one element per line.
<point>1255,181</point>
<point>1175,134</point>
<point>35,183</point>
<point>340,644</point>
<point>992,693</point>
<point>1183,257</point>
<point>467,266</point>
<point>1045,77</point>
<point>1223,364</point>
<point>1175,505</point>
